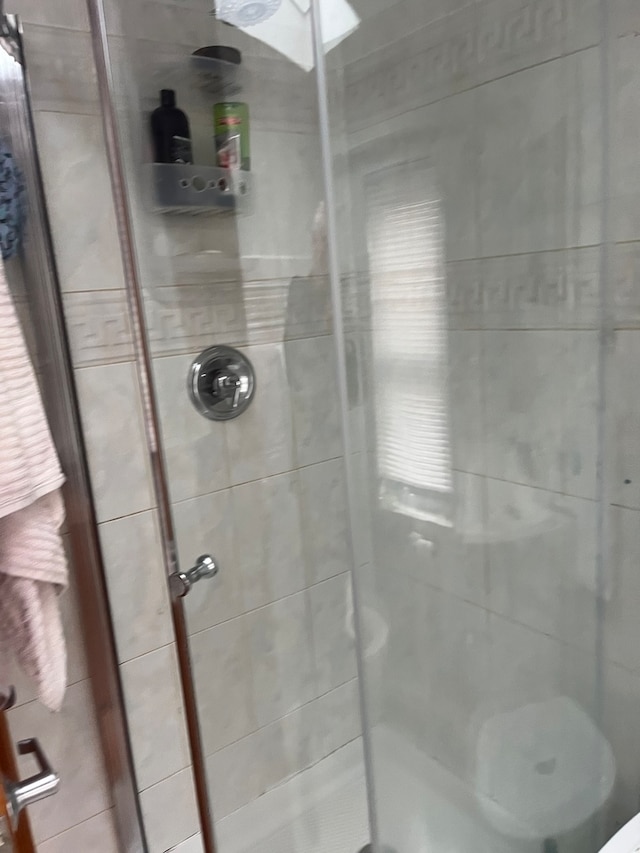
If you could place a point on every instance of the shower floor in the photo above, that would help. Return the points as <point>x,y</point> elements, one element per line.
<point>422,808</point>
<point>322,810</point>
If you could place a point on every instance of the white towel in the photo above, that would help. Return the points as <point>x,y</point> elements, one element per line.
<point>33,569</point>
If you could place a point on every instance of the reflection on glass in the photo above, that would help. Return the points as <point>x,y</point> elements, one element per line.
<point>543,770</point>
<point>405,244</point>
<point>285,25</point>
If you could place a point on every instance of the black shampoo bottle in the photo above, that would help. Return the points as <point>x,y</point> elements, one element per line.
<point>170,131</point>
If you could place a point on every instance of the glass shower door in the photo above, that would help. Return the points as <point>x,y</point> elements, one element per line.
<point>467,144</point>
<point>236,257</point>
<point>421,279</point>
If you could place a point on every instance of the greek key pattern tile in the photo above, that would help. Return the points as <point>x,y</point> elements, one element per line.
<point>189,317</point>
<point>626,266</point>
<point>546,290</point>
<point>462,50</point>
<point>98,327</point>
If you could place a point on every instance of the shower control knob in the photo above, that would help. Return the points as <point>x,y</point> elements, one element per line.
<point>180,583</point>
<point>221,383</point>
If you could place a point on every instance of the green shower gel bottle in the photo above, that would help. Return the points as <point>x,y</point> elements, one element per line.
<point>231,128</point>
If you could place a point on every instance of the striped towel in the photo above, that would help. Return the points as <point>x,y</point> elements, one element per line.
<point>33,569</point>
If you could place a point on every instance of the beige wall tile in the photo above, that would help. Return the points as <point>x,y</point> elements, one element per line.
<point>153,698</point>
<point>69,14</point>
<point>96,834</point>
<point>205,525</point>
<point>191,845</point>
<point>281,657</point>
<point>339,711</point>
<point>169,812</point>
<point>620,623</point>
<point>111,414</point>
<point>624,414</point>
<point>261,442</point>
<point>325,520</point>
<point>98,327</point>
<point>246,769</point>
<point>541,400</point>
<point>315,404</point>
<point>71,742</point>
<point>79,202</point>
<point>221,659</point>
<point>195,448</point>
<point>136,577</point>
<point>270,556</point>
<point>62,71</point>
<point>333,645</point>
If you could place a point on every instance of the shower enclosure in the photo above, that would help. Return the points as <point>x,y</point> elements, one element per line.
<point>422,633</point>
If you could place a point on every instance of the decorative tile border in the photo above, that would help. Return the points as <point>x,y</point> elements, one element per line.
<point>98,327</point>
<point>545,290</point>
<point>542,290</point>
<point>462,50</point>
<point>186,318</point>
<point>626,277</point>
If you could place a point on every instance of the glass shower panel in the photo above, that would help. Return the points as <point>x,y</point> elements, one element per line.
<point>271,636</point>
<point>466,142</point>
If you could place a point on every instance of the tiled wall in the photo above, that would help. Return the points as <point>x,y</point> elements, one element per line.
<point>503,101</point>
<point>512,86</point>
<point>273,657</point>
<point>80,816</point>
<point>81,811</point>
<point>71,148</point>
<point>270,637</point>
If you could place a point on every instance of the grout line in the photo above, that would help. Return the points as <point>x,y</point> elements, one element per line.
<point>152,508</point>
<point>135,514</point>
<point>254,610</point>
<point>75,825</point>
<point>206,283</point>
<point>125,662</point>
<point>578,247</point>
<point>285,717</point>
<point>625,506</point>
<point>525,485</point>
<point>40,110</point>
<point>229,339</point>
<point>187,767</point>
<point>241,484</point>
<point>236,617</point>
<point>256,731</point>
<point>295,774</point>
<point>35,699</point>
<point>489,611</point>
<point>397,117</point>
<point>41,25</point>
<point>523,329</point>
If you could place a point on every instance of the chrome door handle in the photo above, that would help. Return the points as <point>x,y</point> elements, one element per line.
<point>180,583</point>
<point>44,784</point>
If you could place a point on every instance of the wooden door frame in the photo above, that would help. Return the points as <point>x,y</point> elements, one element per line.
<point>8,768</point>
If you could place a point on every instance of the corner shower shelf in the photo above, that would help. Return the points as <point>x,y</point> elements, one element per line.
<point>200,190</point>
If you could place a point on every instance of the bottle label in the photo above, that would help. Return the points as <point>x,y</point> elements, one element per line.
<point>231,129</point>
<point>180,150</point>
<point>229,151</point>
